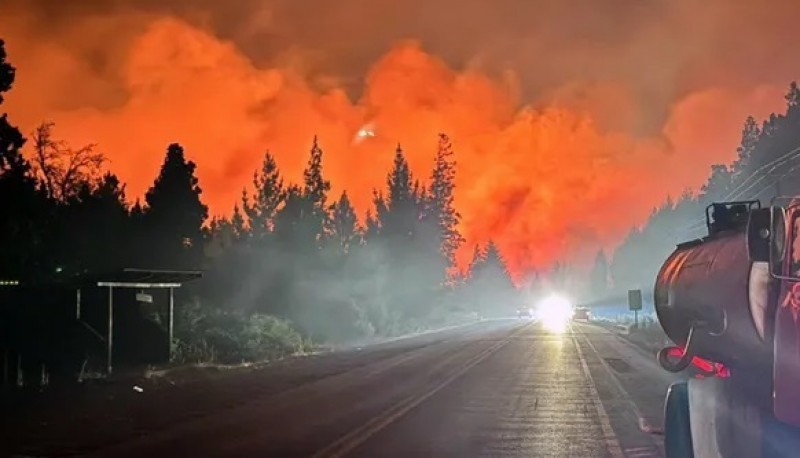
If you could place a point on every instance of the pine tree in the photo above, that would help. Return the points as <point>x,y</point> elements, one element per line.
<point>399,212</point>
<point>792,96</point>
<point>440,206</point>
<point>290,216</point>
<point>175,213</point>
<point>492,289</point>
<point>750,137</point>
<point>11,140</point>
<point>718,185</point>
<point>96,228</point>
<point>237,224</point>
<point>315,189</point>
<point>477,262</point>
<point>23,210</point>
<point>371,226</point>
<point>402,242</point>
<point>344,224</point>
<point>269,195</point>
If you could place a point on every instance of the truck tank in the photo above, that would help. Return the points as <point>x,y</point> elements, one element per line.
<point>711,285</point>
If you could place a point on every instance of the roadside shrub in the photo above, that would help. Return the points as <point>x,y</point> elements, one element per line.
<point>267,337</point>
<point>206,335</point>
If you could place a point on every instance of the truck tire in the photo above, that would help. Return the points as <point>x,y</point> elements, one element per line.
<point>677,426</point>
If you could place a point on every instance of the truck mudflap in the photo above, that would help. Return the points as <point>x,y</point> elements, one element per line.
<point>723,424</point>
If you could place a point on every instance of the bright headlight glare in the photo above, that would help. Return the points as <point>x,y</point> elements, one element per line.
<point>554,312</point>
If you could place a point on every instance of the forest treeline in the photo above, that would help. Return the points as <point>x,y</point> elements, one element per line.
<point>766,165</point>
<point>292,264</point>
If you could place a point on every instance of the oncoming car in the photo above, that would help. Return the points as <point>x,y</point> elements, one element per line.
<point>525,313</point>
<point>581,314</point>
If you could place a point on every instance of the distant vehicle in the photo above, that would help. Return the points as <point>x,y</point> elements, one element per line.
<point>525,312</point>
<point>581,314</point>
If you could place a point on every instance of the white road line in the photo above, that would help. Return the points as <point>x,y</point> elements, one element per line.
<point>358,436</point>
<point>643,454</point>
<point>612,443</point>
<point>644,426</point>
<point>618,385</point>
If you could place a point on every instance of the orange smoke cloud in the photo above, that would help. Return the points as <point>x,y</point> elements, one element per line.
<point>550,181</point>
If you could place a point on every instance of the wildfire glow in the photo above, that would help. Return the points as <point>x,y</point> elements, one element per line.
<point>551,172</point>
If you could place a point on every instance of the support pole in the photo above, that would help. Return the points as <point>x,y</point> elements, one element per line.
<point>5,367</point>
<point>20,374</point>
<point>171,319</point>
<point>78,304</point>
<point>110,339</point>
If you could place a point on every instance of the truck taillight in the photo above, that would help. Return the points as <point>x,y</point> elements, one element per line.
<point>710,368</point>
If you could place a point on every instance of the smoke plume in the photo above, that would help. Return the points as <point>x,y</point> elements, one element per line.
<point>571,120</point>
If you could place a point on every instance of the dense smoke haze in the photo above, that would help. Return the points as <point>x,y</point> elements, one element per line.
<point>570,120</point>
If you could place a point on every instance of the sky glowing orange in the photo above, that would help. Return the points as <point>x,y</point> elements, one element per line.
<point>551,169</point>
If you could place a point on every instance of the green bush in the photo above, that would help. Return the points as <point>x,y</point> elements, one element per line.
<point>267,337</point>
<point>213,336</point>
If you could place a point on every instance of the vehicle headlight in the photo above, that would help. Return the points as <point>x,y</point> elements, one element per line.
<point>555,312</point>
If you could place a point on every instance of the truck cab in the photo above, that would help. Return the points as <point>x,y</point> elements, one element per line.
<point>732,301</point>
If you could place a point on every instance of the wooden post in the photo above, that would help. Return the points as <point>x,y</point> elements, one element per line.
<point>171,319</point>
<point>110,336</point>
<point>20,376</point>
<point>5,367</point>
<point>78,304</point>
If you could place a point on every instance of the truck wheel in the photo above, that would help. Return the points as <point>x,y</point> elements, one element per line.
<point>677,427</point>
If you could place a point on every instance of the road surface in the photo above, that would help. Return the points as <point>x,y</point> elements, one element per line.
<point>497,388</point>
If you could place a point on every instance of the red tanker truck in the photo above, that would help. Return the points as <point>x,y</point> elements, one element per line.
<point>732,299</point>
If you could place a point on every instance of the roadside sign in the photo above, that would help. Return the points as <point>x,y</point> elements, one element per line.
<point>142,297</point>
<point>634,299</point>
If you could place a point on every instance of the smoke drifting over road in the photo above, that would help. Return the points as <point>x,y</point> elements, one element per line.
<point>566,116</point>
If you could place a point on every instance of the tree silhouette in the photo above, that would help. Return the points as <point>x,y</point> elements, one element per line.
<point>440,203</point>
<point>401,238</point>
<point>97,234</point>
<point>22,209</point>
<point>269,195</point>
<point>62,169</point>
<point>399,212</point>
<point>344,223</point>
<point>11,140</point>
<point>175,214</point>
<point>490,284</point>
<point>750,135</point>
<point>477,260</point>
<point>315,187</point>
<point>793,95</point>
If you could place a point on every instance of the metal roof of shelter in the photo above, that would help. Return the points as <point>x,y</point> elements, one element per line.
<point>144,278</point>
<point>122,278</point>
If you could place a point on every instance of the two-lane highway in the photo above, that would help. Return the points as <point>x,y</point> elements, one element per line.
<point>541,395</point>
<point>496,388</point>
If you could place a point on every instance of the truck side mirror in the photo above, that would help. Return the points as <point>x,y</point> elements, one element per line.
<point>759,234</point>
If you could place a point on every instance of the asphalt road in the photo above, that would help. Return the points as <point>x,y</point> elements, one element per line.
<point>497,388</point>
